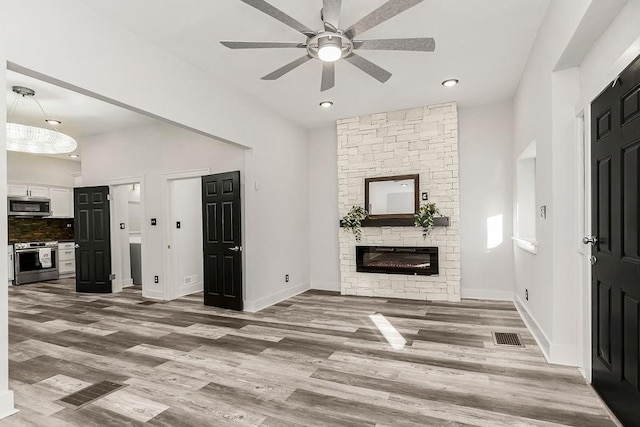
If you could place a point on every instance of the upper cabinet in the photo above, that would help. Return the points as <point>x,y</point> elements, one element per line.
<point>27,190</point>
<point>61,202</point>
<point>61,197</point>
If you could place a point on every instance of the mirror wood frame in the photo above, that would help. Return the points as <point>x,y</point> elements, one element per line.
<point>416,190</point>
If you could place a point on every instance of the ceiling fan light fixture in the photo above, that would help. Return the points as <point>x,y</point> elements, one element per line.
<point>329,48</point>
<point>450,82</point>
<point>326,104</point>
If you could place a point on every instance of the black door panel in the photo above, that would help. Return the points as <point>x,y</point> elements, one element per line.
<point>93,239</point>
<point>222,240</point>
<point>615,150</point>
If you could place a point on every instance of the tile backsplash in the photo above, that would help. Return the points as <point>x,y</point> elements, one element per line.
<point>39,229</point>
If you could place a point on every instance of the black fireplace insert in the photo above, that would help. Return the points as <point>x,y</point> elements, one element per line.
<point>413,260</point>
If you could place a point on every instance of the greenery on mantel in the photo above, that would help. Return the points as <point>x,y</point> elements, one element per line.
<point>353,220</point>
<point>424,218</point>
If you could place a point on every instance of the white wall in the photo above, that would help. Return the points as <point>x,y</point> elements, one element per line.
<point>486,191</point>
<point>546,104</point>
<point>40,169</point>
<point>324,252</point>
<point>151,151</point>
<point>6,395</point>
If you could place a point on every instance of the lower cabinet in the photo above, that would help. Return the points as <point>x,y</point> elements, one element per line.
<point>67,259</point>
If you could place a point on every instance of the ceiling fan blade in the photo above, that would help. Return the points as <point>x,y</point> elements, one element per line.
<point>331,14</point>
<point>261,45</point>
<point>276,13</point>
<point>284,70</point>
<point>378,73</point>
<point>328,76</point>
<point>415,44</point>
<point>378,16</point>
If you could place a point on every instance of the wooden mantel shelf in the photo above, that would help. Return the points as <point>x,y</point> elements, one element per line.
<point>439,221</point>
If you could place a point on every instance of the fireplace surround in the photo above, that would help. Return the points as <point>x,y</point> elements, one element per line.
<point>412,260</point>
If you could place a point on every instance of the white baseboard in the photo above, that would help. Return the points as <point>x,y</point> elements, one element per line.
<point>486,294</point>
<point>6,404</point>
<point>541,338</point>
<point>127,282</point>
<point>253,306</point>
<point>152,293</point>
<point>325,286</point>
<point>190,289</point>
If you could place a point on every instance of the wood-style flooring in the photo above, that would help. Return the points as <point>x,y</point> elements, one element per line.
<point>315,359</point>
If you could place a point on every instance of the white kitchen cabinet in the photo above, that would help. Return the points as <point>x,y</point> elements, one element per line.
<point>67,259</point>
<point>61,202</point>
<point>15,189</point>
<point>18,190</point>
<point>10,264</point>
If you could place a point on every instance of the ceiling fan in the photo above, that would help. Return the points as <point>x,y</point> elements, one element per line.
<point>331,43</point>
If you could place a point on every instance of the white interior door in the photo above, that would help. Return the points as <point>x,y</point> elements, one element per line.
<point>186,235</point>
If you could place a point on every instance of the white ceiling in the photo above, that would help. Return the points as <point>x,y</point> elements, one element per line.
<point>483,43</point>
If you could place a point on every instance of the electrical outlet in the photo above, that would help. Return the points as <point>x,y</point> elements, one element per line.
<point>543,212</point>
<point>425,196</point>
<point>286,278</point>
<point>156,279</point>
<point>526,294</point>
<point>154,221</point>
<point>177,224</point>
<point>122,226</point>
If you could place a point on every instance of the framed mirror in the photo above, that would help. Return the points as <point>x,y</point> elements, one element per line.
<point>392,196</point>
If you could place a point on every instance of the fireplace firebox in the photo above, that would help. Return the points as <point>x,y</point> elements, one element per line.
<point>412,260</point>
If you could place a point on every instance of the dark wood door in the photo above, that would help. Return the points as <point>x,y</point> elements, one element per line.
<point>93,239</point>
<point>615,153</point>
<point>222,240</point>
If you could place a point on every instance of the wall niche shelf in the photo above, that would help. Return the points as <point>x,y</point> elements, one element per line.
<point>439,221</point>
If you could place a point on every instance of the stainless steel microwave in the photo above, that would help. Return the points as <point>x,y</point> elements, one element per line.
<point>29,206</point>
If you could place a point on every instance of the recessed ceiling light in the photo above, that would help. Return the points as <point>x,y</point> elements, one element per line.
<point>74,156</point>
<point>53,121</point>
<point>326,104</point>
<point>450,82</point>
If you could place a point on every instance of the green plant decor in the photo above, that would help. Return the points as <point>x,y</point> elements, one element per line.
<point>424,218</point>
<point>353,220</point>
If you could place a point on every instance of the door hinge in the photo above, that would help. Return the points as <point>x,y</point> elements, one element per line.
<point>112,276</point>
<point>109,197</point>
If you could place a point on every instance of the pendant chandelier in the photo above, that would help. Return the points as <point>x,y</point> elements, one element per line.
<point>36,140</point>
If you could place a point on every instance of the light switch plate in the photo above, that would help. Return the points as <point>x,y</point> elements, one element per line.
<point>543,212</point>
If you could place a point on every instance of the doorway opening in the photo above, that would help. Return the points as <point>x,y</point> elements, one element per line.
<point>183,233</point>
<point>127,233</point>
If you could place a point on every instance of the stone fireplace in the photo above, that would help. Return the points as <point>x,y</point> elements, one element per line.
<point>420,141</point>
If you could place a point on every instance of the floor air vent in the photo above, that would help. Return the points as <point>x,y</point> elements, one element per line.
<point>509,339</point>
<point>90,394</point>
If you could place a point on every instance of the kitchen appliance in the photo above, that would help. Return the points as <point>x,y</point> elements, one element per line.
<point>29,206</point>
<point>36,262</point>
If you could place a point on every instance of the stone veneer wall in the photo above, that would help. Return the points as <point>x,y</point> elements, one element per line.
<point>420,140</point>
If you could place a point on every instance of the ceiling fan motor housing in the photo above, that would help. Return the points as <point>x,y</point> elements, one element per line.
<point>327,39</point>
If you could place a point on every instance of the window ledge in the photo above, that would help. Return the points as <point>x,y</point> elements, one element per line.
<point>526,244</point>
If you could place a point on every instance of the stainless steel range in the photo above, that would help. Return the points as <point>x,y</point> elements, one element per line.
<point>36,262</point>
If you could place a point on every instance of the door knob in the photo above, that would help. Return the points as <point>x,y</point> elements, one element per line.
<point>235,249</point>
<point>77,246</point>
<point>590,240</point>
<point>593,260</point>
